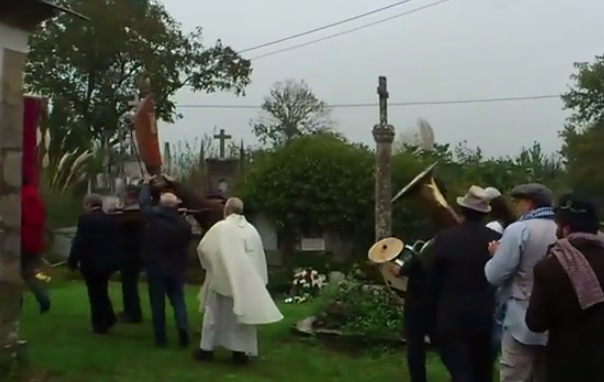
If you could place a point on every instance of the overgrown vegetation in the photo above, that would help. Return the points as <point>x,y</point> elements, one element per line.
<point>359,309</point>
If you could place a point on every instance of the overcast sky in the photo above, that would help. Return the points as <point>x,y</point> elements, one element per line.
<point>461,49</point>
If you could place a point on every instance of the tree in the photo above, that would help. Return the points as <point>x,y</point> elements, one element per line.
<point>291,109</point>
<point>317,182</point>
<point>583,136</point>
<point>90,68</point>
<point>586,97</point>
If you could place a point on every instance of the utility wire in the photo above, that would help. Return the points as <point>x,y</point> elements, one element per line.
<point>348,31</point>
<point>393,104</point>
<point>310,31</point>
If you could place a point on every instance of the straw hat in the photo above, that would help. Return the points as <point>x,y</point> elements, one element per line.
<point>385,250</point>
<point>475,199</point>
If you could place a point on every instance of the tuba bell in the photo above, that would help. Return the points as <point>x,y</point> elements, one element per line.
<point>424,188</point>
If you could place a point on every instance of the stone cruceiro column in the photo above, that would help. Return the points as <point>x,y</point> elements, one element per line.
<point>17,20</point>
<point>383,133</point>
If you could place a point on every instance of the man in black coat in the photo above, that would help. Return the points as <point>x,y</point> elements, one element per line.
<point>166,239</point>
<point>416,326</point>
<point>95,252</point>
<point>460,295</point>
<point>131,264</point>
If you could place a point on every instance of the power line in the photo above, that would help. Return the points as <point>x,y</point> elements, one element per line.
<point>348,31</point>
<point>394,104</point>
<point>310,31</point>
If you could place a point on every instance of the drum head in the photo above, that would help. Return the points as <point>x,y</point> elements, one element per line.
<point>385,250</point>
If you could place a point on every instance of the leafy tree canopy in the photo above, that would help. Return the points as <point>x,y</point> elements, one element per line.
<point>90,69</point>
<point>291,109</point>
<point>583,136</point>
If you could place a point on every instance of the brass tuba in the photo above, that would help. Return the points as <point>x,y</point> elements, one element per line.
<point>425,189</point>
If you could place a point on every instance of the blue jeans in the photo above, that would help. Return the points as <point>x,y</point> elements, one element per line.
<point>34,285</point>
<point>498,318</point>
<point>162,284</point>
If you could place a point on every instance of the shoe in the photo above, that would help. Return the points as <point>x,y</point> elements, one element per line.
<point>203,355</point>
<point>183,338</point>
<point>239,358</point>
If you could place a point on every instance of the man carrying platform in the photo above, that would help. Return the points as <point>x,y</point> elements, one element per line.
<point>131,265</point>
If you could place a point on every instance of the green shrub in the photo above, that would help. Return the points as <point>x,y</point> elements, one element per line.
<point>359,309</point>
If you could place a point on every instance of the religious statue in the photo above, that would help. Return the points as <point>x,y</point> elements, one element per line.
<point>204,210</point>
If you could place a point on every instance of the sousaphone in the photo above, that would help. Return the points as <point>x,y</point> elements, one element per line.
<point>424,188</point>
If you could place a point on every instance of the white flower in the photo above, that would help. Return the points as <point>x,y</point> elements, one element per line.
<point>306,285</point>
<point>296,281</point>
<point>314,273</point>
<point>303,273</point>
<point>289,300</point>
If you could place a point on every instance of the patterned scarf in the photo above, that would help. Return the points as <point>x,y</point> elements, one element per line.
<point>581,274</point>
<point>538,213</point>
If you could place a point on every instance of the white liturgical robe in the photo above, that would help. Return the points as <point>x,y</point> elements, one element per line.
<point>234,298</point>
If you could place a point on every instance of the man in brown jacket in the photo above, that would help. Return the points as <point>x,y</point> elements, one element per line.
<point>567,298</point>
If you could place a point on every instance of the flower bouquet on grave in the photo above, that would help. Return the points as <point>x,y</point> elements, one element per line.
<point>306,284</point>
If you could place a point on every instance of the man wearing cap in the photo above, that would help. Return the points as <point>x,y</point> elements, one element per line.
<point>511,268</point>
<point>567,298</point>
<point>459,293</point>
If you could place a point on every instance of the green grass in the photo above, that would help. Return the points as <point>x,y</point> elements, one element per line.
<point>60,342</point>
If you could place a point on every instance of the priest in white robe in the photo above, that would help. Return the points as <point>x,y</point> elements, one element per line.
<point>233,298</point>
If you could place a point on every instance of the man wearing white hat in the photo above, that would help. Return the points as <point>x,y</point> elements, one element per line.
<point>463,300</point>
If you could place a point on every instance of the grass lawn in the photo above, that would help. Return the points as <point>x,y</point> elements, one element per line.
<point>60,341</point>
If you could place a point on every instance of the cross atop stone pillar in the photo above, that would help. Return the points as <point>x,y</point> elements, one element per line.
<point>383,133</point>
<point>222,138</point>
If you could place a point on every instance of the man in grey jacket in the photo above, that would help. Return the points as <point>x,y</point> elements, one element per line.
<point>523,244</point>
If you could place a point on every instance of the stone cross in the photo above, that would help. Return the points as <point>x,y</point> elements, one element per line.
<point>383,133</point>
<point>222,137</point>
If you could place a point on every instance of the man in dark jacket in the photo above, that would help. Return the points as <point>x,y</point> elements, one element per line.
<point>95,252</point>
<point>567,297</point>
<point>33,225</point>
<point>416,326</point>
<point>166,237</point>
<point>131,264</point>
<point>459,293</point>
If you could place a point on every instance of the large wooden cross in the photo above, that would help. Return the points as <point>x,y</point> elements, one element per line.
<point>222,138</point>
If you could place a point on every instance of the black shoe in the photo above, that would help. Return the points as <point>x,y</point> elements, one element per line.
<point>203,355</point>
<point>183,338</point>
<point>240,358</point>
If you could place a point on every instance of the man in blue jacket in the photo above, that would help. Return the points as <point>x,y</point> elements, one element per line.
<point>166,239</point>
